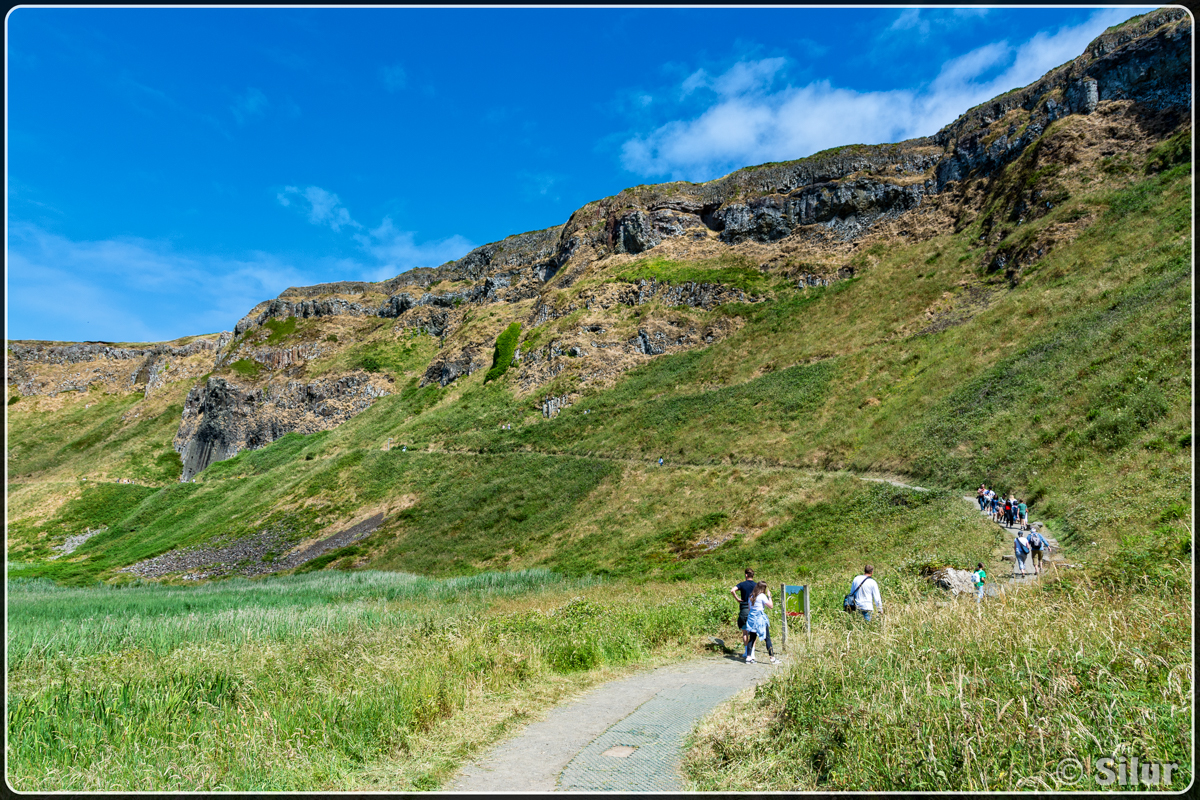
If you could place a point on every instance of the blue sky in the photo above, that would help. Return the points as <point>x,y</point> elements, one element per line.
<point>170,168</point>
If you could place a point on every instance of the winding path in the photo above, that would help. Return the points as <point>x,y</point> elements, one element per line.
<point>623,736</point>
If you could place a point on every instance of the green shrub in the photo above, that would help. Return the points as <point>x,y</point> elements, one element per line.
<point>506,345</point>
<point>1176,150</point>
<point>246,368</point>
<point>735,271</point>
<point>280,329</point>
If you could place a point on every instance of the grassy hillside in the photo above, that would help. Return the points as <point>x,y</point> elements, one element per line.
<point>1069,387</point>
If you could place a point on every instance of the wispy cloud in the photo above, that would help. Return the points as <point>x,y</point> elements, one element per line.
<point>323,207</point>
<point>389,250</point>
<point>751,122</point>
<point>394,77</point>
<point>134,289</point>
<point>540,183</point>
<point>921,22</point>
<point>131,289</point>
<point>396,251</point>
<point>249,104</point>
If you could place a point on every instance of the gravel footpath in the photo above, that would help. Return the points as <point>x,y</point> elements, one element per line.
<point>623,736</point>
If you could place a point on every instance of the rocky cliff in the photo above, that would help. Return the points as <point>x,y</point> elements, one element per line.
<point>221,418</point>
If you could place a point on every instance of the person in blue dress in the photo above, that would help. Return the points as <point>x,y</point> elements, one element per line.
<point>757,626</point>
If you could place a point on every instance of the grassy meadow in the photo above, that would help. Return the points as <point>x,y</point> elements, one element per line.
<point>326,681</point>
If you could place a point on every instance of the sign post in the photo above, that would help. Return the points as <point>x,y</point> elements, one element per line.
<point>795,604</point>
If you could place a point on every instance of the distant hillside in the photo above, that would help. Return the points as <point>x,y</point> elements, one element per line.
<point>1006,301</point>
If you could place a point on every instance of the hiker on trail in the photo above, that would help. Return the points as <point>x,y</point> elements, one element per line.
<point>981,495</point>
<point>864,590</point>
<point>980,576</point>
<point>1023,511</point>
<point>1008,513</point>
<point>995,504</point>
<point>660,461</point>
<point>1037,547</point>
<point>742,593</point>
<point>757,625</point>
<point>1021,550</point>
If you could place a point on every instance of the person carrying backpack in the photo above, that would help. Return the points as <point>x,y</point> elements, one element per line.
<point>981,495</point>
<point>864,594</point>
<point>1021,551</point>
<point>1037,546</point>
<point>980,576</point>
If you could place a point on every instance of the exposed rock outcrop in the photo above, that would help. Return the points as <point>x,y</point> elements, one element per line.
<point>552,405</point>
<point>448,369</point>
<point>44,368</point>
<point>221,418</point>
<point>282,309</point>
<point>265,552</point>
<point>48,353</point>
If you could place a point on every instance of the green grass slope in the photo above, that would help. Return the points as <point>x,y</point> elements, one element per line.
<point>1070,387</point>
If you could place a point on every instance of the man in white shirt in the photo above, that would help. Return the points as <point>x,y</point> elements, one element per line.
<point>865,591</point>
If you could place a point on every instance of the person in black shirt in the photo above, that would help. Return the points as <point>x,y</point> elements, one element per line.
<point>742,593</point>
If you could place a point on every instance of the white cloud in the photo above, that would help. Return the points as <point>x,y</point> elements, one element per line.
<point>744,77</point>
<point>750,124</point>
<point>131,289</point>
<point>913,24</point>
<point>251,103</point>
<point>397,251</point>
<point>391,250</point>
<point>909,19</point>
<point>323,207</point>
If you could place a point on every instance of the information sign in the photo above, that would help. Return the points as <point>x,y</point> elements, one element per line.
<point>795,604</point>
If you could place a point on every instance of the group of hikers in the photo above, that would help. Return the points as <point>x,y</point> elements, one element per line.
<point>1029,543</point>
<point>1007,510</point>
<point>754,598</point>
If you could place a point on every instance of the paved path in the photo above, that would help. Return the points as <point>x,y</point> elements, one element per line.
<point>623,736</point>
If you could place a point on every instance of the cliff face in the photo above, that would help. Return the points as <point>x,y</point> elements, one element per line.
<point>304,361</point>
<point>220,419</point>
<point>40,368</point>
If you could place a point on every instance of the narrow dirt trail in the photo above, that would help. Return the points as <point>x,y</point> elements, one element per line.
<point>1012,580</point>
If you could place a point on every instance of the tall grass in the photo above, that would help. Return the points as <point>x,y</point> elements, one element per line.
<point>311,682</point>
<point>45,617</point>
<point>958,697</point>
